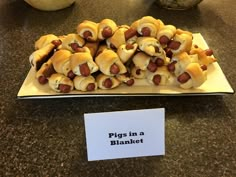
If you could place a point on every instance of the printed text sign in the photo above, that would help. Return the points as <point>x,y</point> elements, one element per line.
<point>125,134</point>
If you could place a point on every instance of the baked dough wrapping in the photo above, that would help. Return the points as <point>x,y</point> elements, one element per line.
<point>44,41</point>
<point>138,73</point>
<point>126,79</point>
<point>165,34</point>
<point>148,26</point>
<point>161,77</point>
<point>82,64</point>
<point>61,61</point>
<point>107,82</point>
<point>93,47</point>
<point>196,76</point>
<point>110,64</point>
<point>85,83</point>
<point>151,46</point>
<point>106,28</point>
<point>181,43</point>
<point>203,57</point>
<point>126,51</point>
<point>40,56</point>
<point>141,60</point>
<point>72,42</point>
<point>118,38</point>
<point>60,83</point>
<point>88,30</point>
<point>45,72</point>
<point>181,61</point>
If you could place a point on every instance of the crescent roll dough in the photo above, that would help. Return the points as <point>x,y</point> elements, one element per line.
<point>72,41</point>
<point>45,72</point>
<point>85,83</point>
<point>197,76</point>
<point>88,30</point>
<point>126,51</point>
<point>61,61</point>
<point>185,41</point>
<point>141,60</point>
<point>138,73</point>
<point>166,78</point>
<point>151,46</point>
<point>167,32</point>
<point>128,80</point>
<point>101,48</point>
<point>180,31</point>
<point>102,80</point>
<point>44,41</point>
<point>106,28</point>
<point>149,22</point>
<point>182,61</point>
<point>135,24</point>
<point>204,59</point>
<point>60,83</point>
<point>106,60</point>
<point>80,58</point>
<point>40,56</point>
<point>93,47</point>
<point>118,37</point>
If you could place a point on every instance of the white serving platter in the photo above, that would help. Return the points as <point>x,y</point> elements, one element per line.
<point>216,84</point>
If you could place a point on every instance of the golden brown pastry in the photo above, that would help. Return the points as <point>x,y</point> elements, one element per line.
<point>93,47</point>
<point>141,60</point>
<point>204,56</point>
<point>138,73</point>
<point>151,46</point>
<point>126,51</point>
<point>61,63</point>
<point>135,24</point>
<point>109,63</point>
<point>82,64</point>
<point>118,37</point>
<point>85,83</point>
<point>45,72</point>
<point>180,31</point>
<point>161,77</point>
<point>165,34</point>
<point>73,42</point>
<point>180,43</point>
<point>180,61</point>
<point>40,56</point>
<point>193,76</point>
<point>161,23</point>
<point>124,34</point>
<point>88,30</point>
<point>60,83</point>
<point>148,26</point>
<point>45,40</point>
<point>107,82</point>
<point>101,48</point>
<point>126,79</point>
<point>106,28</point>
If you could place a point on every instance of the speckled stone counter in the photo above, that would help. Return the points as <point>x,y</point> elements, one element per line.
<point>47,138</point>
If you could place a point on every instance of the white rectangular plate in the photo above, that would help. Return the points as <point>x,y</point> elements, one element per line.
<point>216,84</point>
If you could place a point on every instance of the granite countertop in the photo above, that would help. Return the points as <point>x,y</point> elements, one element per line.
<point>47,137</point>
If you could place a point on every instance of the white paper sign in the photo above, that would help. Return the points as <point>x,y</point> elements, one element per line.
<point>125,134</point>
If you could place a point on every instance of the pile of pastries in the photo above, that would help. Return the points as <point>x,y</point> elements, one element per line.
<point>105,55</point>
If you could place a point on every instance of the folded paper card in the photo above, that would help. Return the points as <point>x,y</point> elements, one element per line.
<point>125,134</point>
